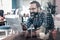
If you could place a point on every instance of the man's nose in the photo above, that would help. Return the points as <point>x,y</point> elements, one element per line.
<point>31,10</point>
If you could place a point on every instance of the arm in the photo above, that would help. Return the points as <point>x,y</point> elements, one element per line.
<point>48,21</point>
<point>29,22</point>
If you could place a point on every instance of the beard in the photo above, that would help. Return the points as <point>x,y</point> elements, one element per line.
<point>33,13</point>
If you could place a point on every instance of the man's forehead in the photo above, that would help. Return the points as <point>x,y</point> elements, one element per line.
<point>33,5</point>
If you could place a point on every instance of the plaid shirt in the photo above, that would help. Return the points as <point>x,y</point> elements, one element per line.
<point>48,21</point>
<point>41,19</point>
<point>35,20</point>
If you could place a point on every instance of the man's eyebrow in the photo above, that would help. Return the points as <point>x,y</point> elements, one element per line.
<point>31,8</point>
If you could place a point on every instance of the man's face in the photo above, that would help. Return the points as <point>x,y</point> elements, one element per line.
<point>33,8</point>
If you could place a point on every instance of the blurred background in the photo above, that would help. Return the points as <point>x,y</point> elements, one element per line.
<point>21,8</point>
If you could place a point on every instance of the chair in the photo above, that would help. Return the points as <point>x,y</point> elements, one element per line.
<point>15,22</point>
<point>5,28</point>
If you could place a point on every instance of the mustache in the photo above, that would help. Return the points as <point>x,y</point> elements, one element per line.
<point>33,14</point>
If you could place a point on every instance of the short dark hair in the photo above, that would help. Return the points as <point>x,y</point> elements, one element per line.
<point>1,12</point>
<point>37,4</point>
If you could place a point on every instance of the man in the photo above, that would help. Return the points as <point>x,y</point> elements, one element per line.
<point>1,18</point>
<point>36,17</point>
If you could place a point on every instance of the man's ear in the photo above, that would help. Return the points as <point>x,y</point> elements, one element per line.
<point>39,9</point>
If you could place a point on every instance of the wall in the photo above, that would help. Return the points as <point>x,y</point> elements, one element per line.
<point>6,5</point>
<point>58,6</point>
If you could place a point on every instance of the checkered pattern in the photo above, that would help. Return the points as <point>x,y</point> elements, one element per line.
<point>41,19</point>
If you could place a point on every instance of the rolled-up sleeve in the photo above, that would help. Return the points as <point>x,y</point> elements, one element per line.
<point>48,21</point>
<point>29,22</point>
